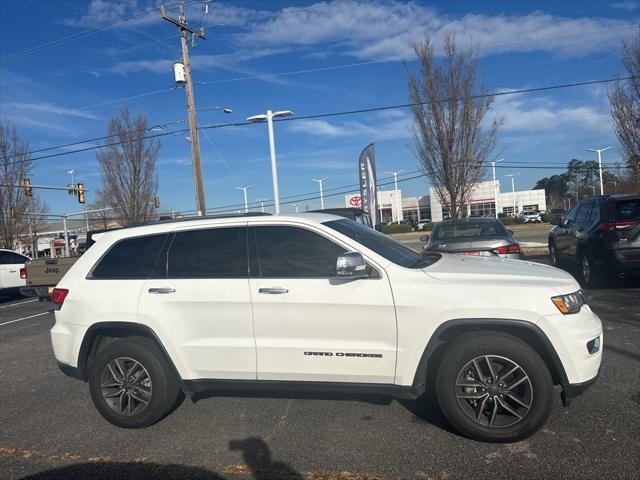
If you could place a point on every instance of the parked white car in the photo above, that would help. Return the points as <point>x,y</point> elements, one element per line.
<point>12,271</point>
<point>531,217</point>
<point>319,303</point>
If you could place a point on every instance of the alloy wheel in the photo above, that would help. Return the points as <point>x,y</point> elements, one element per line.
<point>126,386</point>
<point>494,391</point>
<point>553,255</point>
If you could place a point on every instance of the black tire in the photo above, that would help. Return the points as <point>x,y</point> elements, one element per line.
<point>590,274</point>
<point>498,347</point>
<point>162,386</point>
<point>553,255</point>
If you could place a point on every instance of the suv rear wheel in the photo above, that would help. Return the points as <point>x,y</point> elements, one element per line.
<point>130,383</point>
<point>591,276</point>
<point>493,387</point>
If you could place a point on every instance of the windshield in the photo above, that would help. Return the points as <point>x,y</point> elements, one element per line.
<point>382,244</point>
<point>469,229</point>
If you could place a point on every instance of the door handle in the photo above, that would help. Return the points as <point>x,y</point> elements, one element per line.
<point>273,291</point>
<point>162,290</point>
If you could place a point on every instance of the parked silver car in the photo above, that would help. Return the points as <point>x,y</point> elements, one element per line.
<point>473,236</point>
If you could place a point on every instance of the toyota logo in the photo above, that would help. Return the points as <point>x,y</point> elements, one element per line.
<point>355,201</point>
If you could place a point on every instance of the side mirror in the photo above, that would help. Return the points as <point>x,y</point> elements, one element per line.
<point>510,232</point>
<point>351,265</point>
<point>556,221</point>
<point>424,238</point>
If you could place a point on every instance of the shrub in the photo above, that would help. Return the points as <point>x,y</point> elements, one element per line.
<point>547,217</point>
<point>520,221</point>
<point>397,228</point>
<point>507,220</point>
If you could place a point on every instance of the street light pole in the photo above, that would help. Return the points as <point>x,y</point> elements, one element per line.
<point>513,189</point>
<point>395,186</point>
<point>495,185</point>
<point>244,190</point>
<point>599,152</point>
<point>269,116</point>
<point>320,180</point>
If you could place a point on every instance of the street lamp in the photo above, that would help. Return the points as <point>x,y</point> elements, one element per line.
<point>513,189</point>
<point>599,152</point>
<point>320,180</point>
<point>224,109</point>
<point>244,190</point>
<point>268,117</point>
<point>161,127</point>
<point>72,190</point>
<point>495,185</point>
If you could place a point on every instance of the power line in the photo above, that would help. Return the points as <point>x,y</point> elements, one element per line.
<point>335,114</point>
<point>86,33</point>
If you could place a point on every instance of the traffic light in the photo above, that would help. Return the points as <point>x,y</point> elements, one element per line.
<point>80,189</point>
<point>156,202</point>
<point>26,183</point>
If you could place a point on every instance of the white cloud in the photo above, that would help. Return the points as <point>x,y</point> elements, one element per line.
<point>49,108</point>
<point>379,127</point>
<point>528,115</point>
<point>387,30</point>
<point>133,13</point>
<point>628,5</point>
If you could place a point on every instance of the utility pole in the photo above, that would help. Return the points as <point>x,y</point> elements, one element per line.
<point>185,32</point>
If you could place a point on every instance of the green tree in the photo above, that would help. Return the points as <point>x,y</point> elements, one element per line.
<point>555,188</point>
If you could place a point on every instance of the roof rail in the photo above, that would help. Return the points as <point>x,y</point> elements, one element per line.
<point>190,219</point>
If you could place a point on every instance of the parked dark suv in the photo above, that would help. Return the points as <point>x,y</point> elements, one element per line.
<point>601,235</point>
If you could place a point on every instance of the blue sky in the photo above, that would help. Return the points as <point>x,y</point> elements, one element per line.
<point>67,93</point>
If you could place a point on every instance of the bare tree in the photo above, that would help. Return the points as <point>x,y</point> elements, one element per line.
<point>14,203</point>
<point>129,178</point>
<point>103,218</point>
<point>448,132</point>
<point>625,108</point>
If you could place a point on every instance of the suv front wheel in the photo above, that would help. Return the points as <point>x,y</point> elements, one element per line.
<point>130,383</point>
<point>493,387</point>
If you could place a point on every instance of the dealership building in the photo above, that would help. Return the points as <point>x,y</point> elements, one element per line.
<point>392,207</point>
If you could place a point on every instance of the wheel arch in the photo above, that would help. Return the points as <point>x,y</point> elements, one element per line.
<point>451,329</point>
<point>102,333</point>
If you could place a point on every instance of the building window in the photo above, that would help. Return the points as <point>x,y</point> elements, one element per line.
<point>509,210</point>
<point>530,208</point>
<point>485,209</point>
<point>425,213</point>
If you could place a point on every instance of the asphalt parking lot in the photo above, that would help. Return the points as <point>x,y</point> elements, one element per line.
<point>50,429</point>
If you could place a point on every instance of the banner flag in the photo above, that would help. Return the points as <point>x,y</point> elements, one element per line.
<point>367,178</point>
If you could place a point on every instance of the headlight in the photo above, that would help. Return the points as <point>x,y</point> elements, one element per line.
<point>570,303</point>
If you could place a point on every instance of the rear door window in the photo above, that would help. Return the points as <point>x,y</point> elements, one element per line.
<point>583,214</point>
<point>10,258</point>
<point>132,258</point>
<point>209,253</point>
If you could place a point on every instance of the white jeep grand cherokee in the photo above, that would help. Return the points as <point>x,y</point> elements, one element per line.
<point>319,303</point>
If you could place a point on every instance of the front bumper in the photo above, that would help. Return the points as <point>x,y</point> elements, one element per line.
<point>571,336</point>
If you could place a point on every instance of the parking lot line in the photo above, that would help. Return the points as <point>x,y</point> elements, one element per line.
<point>16,304</point>
<point>25,318</point>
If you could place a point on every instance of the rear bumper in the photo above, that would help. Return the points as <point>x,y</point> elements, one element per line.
<point>626,260</point>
